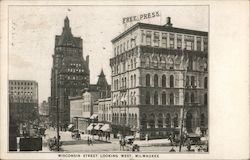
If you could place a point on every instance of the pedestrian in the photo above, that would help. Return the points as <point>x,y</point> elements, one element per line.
<point>172,150</point>
<point>91,141</point>
<point>88,141</point>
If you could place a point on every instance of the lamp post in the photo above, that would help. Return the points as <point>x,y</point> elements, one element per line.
<point>57,121</point>
<point>183,106</point>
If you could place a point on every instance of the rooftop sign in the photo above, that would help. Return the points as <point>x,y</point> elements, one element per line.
<point>141,17</point>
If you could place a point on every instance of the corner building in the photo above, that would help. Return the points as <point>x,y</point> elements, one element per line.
<point>156,71</point>
<point>69,74</point>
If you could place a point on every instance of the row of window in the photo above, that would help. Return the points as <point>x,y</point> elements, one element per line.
<point>21,88</point>
<point>21,93</point>
<point>130,43</point>
<point>122,118</point>
<point>21,83</point>
<point>124,82</point>
<point>171,98</point>
<point>188,40</point>
<point>73,70</point>
<point>130,65</point>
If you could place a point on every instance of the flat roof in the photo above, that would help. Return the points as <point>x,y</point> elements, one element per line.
<point>160,28</point>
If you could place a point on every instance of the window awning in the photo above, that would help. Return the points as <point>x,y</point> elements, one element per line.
<point>94,116</point>
<point>106,128</point>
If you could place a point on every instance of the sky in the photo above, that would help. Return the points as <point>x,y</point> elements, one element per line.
<point>32,31</point>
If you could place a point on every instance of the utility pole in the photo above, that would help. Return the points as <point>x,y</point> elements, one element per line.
<point>183,106</point>
<point>57,120</point>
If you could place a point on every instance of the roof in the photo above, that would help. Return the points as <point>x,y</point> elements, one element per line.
<point>160,28</point>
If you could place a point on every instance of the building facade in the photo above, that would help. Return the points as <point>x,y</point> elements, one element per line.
<point>104,110</point>
<point>156,72</point>
<point>23,100</point>
<point>44,109</point>
<point>69,74</point>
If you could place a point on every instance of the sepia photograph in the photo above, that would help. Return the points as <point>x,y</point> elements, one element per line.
<point>108,79</point>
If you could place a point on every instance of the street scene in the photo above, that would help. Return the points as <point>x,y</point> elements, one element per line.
<point>109,79</point>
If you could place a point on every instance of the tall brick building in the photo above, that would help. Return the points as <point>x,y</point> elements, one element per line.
<point>69,74</point>
<point>156,71</point>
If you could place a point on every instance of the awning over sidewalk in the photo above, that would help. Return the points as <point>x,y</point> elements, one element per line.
<point>106,128</point>
<point>98,126</point>
<point>90,127</point>
<point>94,116</point>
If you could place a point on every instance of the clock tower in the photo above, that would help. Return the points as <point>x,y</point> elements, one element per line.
<point>69,74</point>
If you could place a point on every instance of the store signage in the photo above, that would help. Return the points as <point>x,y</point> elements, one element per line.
<point>141,17</point>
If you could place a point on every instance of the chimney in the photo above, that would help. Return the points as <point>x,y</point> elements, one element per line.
<point>168,24</point>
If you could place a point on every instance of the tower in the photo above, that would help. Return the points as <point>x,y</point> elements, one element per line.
<point>69,74</point>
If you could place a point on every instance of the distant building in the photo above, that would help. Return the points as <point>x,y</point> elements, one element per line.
<point>104,110</point>
<point>44,109</point>
<point>84,109</point>
<point>69,74</point>
<point>23,100</point>
<point>150,85</point>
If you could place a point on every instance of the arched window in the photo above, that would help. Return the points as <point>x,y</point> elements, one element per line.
<point>132,63</point>
<point>135,62</point>
<point>171,81</point>
<point>171,97</point>
<point>168,120</point>
<point>144,121</point>
<point>156,98</point>
<point>202,120</point>
<point>156,80</point>
<point>186,97</point>
<point>147,62</point>
<point>134,98</point>
<point>152,121</point>
<point>205,82</point>
<point>122,82</point>
<point>125,82</point>
<point>163,81</point>
<point>148,80</point>
<point>192,97</point>
<point>160,121</point>
<point>193,81</point>
<point>163,98</point>
<point>176,120</point>
<point>147,97</point>
<point>134,80</point>
<point>135,122</point>
<point>131,81</point>
<point>205,98</point>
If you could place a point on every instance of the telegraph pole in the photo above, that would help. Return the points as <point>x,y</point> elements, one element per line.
<point>57,121</point>
<point>183,106</point>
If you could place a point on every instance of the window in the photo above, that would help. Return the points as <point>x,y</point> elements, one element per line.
<point>198,42</point>
<point>148,38</point>
<point>202,120</point>
<point>118,50</point>
<point>144,121</point>
<point>152,121</point>
<point>189,42</point>
<point>156,98</point>
<point>148,80</point>
<point>135,62</point>
<point>131,81</point>
<point>156,80</point>
<point>134,80</point>
<point>164,40</point>
<point>127,44</point>
<point>132,64</point>
<point>156,39</point>
<point>171,81</point>
<point>171,41</point>
<point>205,82</point>
<point>205,44</point>
<point>163,98</point>
<point>160,120</point>
<point>147,97</point>
<point>168,120</point>
<point>179,41</point>
<point>193,84</point>
<point>125,81</point>
<point>192,97</point>
<point>187,81</point>
<point>163,81</point>
<point>176,120</point>
<point>142,36</point>
<point>186,97</point>
<point>205,98</point>
<point>171,97</point>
